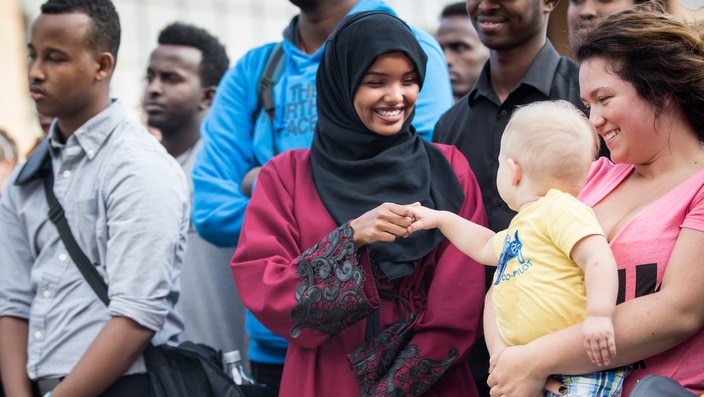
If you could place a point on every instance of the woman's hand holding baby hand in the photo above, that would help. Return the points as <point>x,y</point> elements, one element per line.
<point>383,223</point>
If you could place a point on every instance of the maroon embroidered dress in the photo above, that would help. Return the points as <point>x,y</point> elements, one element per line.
<point>303,278</point>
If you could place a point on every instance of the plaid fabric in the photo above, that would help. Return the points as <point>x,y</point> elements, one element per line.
<point>597,384</point>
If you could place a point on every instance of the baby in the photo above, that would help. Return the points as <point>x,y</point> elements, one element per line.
<point>554,264</point>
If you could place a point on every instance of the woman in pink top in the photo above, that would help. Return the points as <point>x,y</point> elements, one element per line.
<point>642,78</point>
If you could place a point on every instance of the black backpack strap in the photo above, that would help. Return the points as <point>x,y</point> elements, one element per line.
<point>58,218</point>
<point>265,88</point>
<point>272,71</point>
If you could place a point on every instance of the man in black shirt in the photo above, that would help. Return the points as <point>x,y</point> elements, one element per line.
<point>523,67</point>
<point>521,70</point>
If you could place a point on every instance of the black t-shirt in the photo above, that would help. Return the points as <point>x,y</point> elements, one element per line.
<point>477,121</point>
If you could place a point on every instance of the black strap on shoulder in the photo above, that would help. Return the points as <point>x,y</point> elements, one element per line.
<point>272,72</point>
<point>58,218</point>
<point>37,165</point>
<point>265,89</point>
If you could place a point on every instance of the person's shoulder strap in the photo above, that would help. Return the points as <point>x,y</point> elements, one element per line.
<point>58,218</point>
<point>265,88</point>
<point>37,165</point>
<point>272,71</point>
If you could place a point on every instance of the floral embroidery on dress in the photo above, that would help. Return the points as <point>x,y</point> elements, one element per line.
<point>412,374</point>
<point>388,366</point>
<point>329,296</point>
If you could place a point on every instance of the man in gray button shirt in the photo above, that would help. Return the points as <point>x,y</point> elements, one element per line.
<point>126,201</point>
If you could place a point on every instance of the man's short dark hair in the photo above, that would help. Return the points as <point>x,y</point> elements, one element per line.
<point>104,35</point>
<point>454,9</point>
<point>214,62</point>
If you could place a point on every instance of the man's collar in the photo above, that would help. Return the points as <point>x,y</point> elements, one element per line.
<point>542,70</point>
<point>539,75</point>
<point>90,136</point>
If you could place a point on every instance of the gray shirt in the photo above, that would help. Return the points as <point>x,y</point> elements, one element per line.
<point>212,310</point>
<point>126,202</point>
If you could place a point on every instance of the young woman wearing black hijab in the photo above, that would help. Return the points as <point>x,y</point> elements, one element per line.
<point>322,260</point>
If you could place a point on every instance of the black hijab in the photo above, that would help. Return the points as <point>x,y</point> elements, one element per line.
<point>355,169</point>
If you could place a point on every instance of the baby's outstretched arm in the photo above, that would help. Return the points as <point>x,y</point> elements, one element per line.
<point>594,256</point>
<point>473,240</point>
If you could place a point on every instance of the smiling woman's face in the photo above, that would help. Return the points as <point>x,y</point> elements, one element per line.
<point>386,96</point>
<point>624,119</point>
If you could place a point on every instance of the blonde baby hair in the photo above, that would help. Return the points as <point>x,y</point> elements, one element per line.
<point>553,142</point>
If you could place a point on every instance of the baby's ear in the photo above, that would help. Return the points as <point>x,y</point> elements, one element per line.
<point>516,171</point>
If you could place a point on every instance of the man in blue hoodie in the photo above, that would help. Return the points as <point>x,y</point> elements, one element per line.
<point>239,137</point>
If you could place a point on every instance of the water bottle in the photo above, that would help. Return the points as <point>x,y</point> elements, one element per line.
<point>234,367</point>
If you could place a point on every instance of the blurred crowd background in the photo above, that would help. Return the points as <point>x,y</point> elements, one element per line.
<point>239,24</point>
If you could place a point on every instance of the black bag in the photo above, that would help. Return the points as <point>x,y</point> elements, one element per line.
<point>659,386</point>
<point>193,369</point>
<point>189,370</point>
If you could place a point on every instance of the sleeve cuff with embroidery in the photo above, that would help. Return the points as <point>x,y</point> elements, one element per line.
<point>334,292</point>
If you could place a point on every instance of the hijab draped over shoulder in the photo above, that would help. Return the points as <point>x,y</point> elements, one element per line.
<point>355,169</point>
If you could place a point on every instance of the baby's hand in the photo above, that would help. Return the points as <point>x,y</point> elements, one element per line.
<point>599,339</point>
<point>423,218</point>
